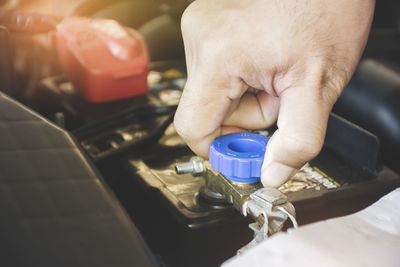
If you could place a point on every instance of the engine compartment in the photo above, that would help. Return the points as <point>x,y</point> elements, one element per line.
<point>134,146</point>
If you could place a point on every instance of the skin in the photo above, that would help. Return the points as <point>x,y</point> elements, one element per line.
<point>252,63</point>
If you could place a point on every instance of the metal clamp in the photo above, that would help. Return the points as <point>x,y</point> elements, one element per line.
<point>270,208</point>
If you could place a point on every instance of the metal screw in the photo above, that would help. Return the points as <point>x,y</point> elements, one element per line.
<point>195,166</point>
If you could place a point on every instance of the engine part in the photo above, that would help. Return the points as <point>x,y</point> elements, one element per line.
<point>329,186</point>
<point>354,143</point>
<point>267,206</point>
<point>195,166</point>
<point>235,170</point>
<point>371,100</point>
<point>348,158</point>
<point>271,209</point>
<point>104,60</point>
<point>129,129</point>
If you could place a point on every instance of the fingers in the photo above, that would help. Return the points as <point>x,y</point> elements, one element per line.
<point>209,109</point>
<point>254,111</point>
<point>204,104</point>
<point>303,117</point>
<point>210,90</point>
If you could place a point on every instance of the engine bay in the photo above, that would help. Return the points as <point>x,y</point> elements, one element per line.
<point>130,140</point>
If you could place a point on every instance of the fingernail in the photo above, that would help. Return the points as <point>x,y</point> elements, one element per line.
<point>275,174</point>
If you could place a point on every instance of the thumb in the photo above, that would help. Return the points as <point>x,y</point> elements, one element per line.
<point>302,121</point>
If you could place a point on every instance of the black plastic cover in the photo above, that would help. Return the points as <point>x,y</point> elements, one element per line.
<point>54,208</point>
<point>372,101</point>
<point>354,143</point>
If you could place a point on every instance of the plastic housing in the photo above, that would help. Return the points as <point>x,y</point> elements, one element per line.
<point>104,60</point>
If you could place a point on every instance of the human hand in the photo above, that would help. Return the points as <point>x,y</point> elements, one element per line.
<point>296,56</point>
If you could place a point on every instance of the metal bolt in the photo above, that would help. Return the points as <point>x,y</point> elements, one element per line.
<point>195,166</point>
<point>186,167</point>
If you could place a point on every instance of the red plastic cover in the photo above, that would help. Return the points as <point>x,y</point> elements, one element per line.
<point>104,60</point>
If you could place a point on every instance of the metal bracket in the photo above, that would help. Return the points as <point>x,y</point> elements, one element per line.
<point>270,208</point>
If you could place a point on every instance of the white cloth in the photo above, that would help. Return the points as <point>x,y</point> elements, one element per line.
<point>370,237</point>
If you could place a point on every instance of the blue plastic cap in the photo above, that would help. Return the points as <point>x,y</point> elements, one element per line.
<point>239,156</point>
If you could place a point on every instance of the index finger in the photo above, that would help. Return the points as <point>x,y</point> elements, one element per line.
<point>206,100</point>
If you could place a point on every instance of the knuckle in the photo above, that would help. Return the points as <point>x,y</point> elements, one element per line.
<point>189,18</point>
<point>334,79</point>
<point>185,23</point>
<point>331,95</point>
<point>332,88</point>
